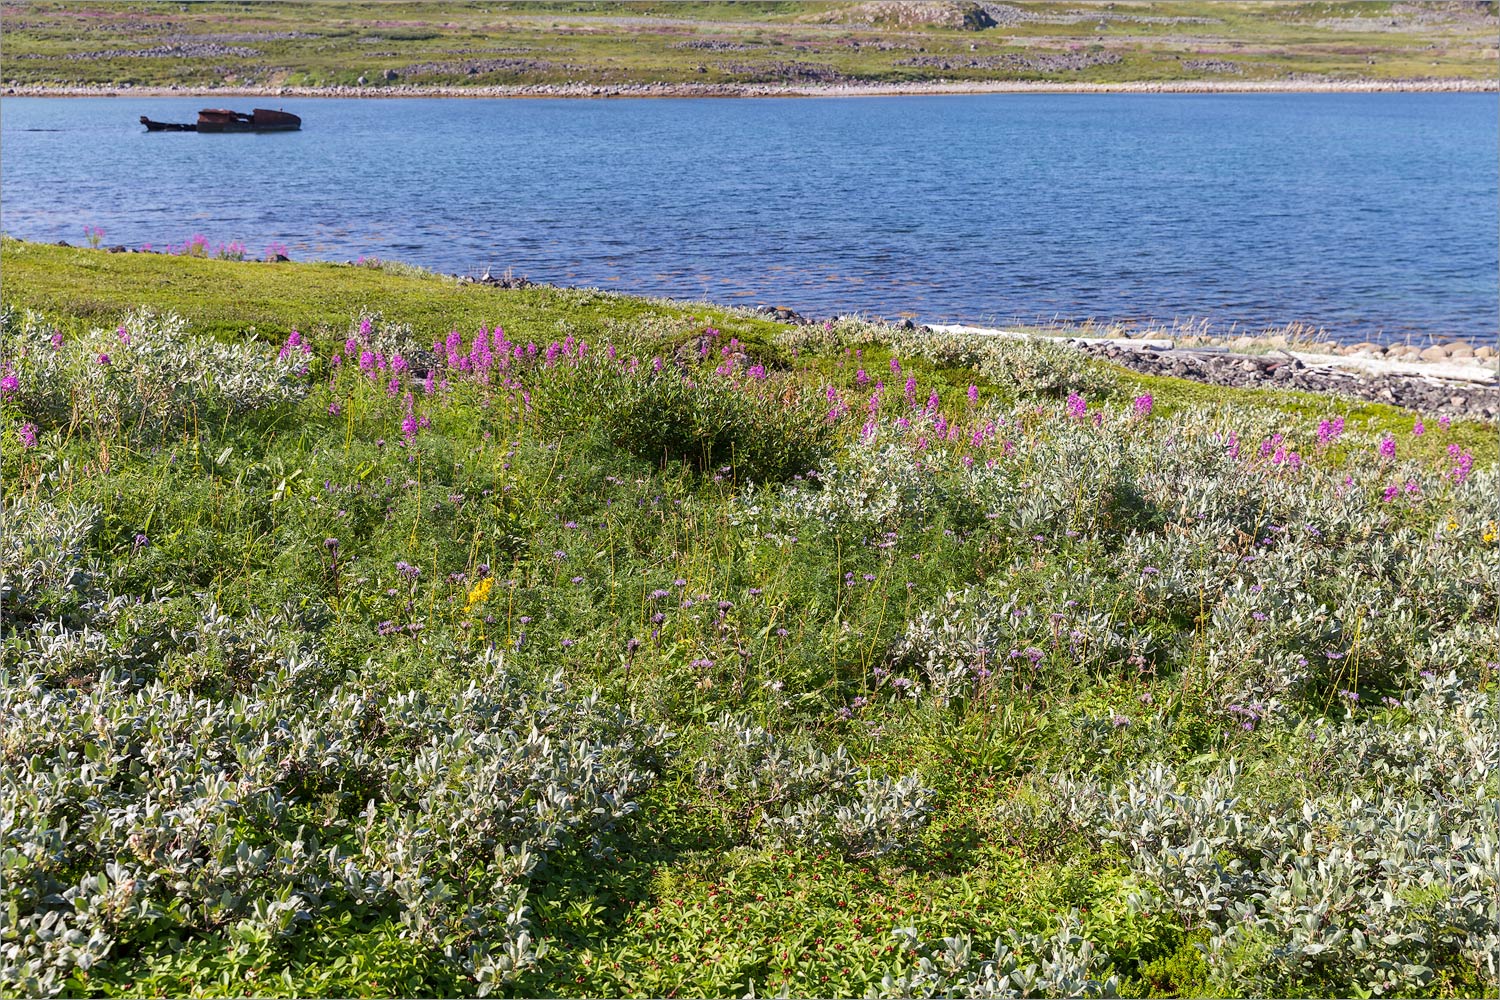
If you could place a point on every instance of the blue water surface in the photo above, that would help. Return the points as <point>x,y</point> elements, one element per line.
<point>1373,215</point>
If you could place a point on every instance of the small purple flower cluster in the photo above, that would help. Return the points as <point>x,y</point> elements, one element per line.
<point>1329,430</point>
<point>1463,463</point>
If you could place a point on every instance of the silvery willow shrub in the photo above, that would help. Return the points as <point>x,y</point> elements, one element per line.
<point>1034,366</point>
<point>45,573</point>
<point>980,639</point>
<point>873,488</point>
<point>134,812</point>
<point>147,377</point>
<point>788,790</point>
<point>1022,965</point>
<point>1030,366</point>
<point>1387,869</point>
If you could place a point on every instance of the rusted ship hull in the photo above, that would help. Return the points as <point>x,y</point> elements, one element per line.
<point>152,126</point>
<point>223,120</point>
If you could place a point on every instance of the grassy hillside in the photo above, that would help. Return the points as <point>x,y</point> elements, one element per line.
<point>78,43</point>
<point>437,640</point>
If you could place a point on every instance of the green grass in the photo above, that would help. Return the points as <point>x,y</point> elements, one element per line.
<point>227,298</point>
<point>507,44</point>
<point>309,511</point>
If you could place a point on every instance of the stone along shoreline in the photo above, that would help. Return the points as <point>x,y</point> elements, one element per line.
<point>842,89</point>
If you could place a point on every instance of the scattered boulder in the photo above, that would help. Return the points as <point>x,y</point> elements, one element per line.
<point>506,280</point>
<point>781,314</point>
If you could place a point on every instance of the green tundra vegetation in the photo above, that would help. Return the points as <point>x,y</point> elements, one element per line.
<point>386,46</point>
<point>370,634</point>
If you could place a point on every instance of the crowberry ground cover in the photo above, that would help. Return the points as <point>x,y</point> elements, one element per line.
<point>397,659</point>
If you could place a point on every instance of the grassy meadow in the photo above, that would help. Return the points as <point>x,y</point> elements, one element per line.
<point>366,633</point>
<point>73,43</point>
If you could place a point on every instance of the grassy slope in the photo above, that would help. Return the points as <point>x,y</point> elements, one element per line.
<point>229,299</point>
<point>515,44</point>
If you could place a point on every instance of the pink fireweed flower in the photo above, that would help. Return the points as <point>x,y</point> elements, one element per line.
<point>895,367</point>
<point>973,393</point>
<point>911,390</point>
<point>1142,405</point>
<point>104,360</point>
<point>1233,445</point>
<point>364,327</point>
<point>9,383</point>
<point>334,409</point>
<point>1329,430</point>
<point>1387,448</point>
<point>124,336</point>
<point>27,435</point>
<point>1077,406</point>
<point>1463,463</point>
<point>757,372</point>
<point>1418,428</point>
<point>861,379</point>
<point>1445,421</point>
<point>1391,492</point>
<point>933,403</point>
<point>57,339</point>
<point>656,364</point>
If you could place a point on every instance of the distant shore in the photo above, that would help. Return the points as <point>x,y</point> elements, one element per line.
<point>1448,85</point>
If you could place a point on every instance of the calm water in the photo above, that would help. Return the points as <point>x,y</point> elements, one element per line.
<point>1372,214</point>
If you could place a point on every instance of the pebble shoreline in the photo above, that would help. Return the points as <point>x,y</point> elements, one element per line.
<point>853,89</point>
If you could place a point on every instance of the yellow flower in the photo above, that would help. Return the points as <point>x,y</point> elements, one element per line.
<point>480,592</point>
<point>1489,532</point>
